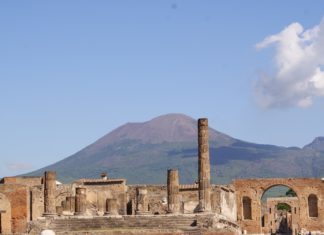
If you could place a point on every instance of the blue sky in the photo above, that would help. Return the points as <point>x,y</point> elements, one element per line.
<point>71,71</point>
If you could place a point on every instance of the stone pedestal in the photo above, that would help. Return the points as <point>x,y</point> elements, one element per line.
<point>80,201</point>
<point>203,166</point>
<point>111,207</point>
<point>59,210</point>
<point>173,191</point>
<point>49,193</point>
<point>142,202</point>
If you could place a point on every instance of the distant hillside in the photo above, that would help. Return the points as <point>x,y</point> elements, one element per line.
<point>142,153</point>
<point>317,144</point>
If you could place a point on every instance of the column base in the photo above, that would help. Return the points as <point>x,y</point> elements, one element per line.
<point>142,213</point>
<point>173,212</point>
<point>49,214</point>
<point>203,210</point>
<point>79,213</point>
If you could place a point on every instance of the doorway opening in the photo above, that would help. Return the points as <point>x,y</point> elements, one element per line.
<point>279,210</point>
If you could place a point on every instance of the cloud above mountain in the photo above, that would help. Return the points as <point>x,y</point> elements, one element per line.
<point>298,75</point>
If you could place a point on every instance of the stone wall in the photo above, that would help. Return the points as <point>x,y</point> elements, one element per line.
<point>62,191</point>
<point>23,180</point>
<point>5,213</point>
<point>156,198</point>
<point>223,199</point>
<point>304,187</point>
<point>15,203</point>
<point>98,191</point>
<point>37,201</point>
<point>227,202</point>
<point>270,221</point>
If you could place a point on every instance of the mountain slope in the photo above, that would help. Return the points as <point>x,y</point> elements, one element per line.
<point>142,153</point>
<point>317,144</point>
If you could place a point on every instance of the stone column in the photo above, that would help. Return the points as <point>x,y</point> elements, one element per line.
<point>70,203</point>
<point>49,193</point>
<point>203,166</point>
<point>173,191</point>
<point>80,201</point>
<point>101,202</point>
<point>111,207</point>
<point>63,205</point>
<point>142,203</point>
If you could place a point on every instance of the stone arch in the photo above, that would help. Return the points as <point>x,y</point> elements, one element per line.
<point>5,215</point>
<point>312,205</point>
<point>303,187</point>
<point>279,182</point>
<point>286,184</point>
<point>247,207</point>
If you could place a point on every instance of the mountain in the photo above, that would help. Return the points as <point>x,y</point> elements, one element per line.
<point>317,144</point>
<point>142,153</point>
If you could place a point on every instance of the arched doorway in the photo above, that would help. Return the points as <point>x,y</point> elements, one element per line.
<point>5,215</point>
<point>279,207</point>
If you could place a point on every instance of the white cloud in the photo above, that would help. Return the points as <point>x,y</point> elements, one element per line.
<point>299,68</point>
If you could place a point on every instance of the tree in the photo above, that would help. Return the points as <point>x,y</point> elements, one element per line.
<point>291,193</point>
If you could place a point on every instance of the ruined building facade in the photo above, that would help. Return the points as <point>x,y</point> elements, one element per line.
<point>104,205</point>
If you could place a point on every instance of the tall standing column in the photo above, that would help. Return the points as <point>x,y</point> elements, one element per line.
<point>80,201</point>
<point>173,191</point>
<point>49,193</point>
<point>203,166</point>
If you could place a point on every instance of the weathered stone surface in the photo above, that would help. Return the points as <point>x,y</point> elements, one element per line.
<point>80,201</point>
<point>174,224</point>
<point>303,187</point>
<point>47,232</point>
<point>173,191</point>
<point>142,201</point>
<point>271,221</point>
<point>70,204</point>
<point>111,207</point>
<point>98,190</point>
<point>37,201</point>
<point>203,166</point>
<point>49,193</point>
<point>13,204</point>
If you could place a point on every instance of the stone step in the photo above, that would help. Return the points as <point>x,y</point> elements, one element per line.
<point>146,222</point>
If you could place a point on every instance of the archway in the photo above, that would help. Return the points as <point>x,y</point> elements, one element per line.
<point>5,215</point>
<point>306,209</point>
<point>279,210</point>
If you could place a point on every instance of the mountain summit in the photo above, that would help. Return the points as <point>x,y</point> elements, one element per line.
<point>142,153</point>
<point>168,128</point>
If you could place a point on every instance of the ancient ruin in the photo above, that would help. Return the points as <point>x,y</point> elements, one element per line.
<point>30,205</point>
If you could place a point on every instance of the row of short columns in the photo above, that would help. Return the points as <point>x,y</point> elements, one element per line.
<point>76,204</point>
